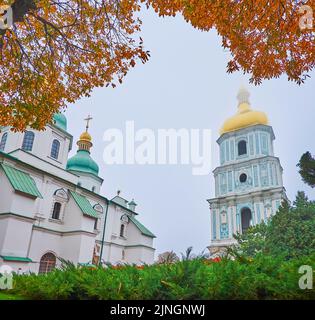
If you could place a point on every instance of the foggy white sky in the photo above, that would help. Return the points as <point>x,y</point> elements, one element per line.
<point>185,85</point>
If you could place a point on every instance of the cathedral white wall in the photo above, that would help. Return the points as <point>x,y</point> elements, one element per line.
<point>22,204</point>
<point>114,254</point>
<point>135,237</point>
<point>43,242</point>
<point>111,221</point>
<point>73,217</point>
<point>139,255</point>
<point>86,249</point>
<point>17,236</point>
<point>14,140</point>
<point>3,231</point>
<point>42,144</point>
<point>90,182</point>
<point>78,248</point>
<point>6,193</point>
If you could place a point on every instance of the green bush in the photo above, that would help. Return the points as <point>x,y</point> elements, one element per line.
<point>263,277</point>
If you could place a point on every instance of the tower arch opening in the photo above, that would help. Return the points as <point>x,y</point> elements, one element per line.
<point>246,217</point>
<point>242,148</point>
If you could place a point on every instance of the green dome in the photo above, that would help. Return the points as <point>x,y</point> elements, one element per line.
<point>83,162</point>
<point>60,121</point>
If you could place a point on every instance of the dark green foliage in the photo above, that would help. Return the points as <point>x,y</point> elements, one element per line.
<point>251,242</point>
<point>292,230</point>
<point>263,277</point>
<point>307,169</point>
<point>290,233</point>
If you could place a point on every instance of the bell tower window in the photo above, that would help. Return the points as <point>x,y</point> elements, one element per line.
<point>242,147</point>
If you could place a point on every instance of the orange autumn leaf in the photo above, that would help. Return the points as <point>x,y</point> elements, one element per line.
<point>57,51</point>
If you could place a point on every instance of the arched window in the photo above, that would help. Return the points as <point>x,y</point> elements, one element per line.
<point>28,141</point>
<point>3,141</point>
<point>54,153</point>
<point>56,211</point>
<point>246,217</point>
<point>47,263</point>
<point>242,148</point>
<point>122,230</point>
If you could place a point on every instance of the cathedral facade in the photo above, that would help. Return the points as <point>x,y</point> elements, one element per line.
<point>248,183</point>
<point>51,206</point>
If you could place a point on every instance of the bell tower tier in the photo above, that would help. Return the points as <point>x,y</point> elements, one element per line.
<point>248,183</point>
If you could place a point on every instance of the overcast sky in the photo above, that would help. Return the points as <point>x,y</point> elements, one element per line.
<point>185,85</point>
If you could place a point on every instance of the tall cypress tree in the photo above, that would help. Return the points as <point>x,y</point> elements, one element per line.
<point>307,169</point>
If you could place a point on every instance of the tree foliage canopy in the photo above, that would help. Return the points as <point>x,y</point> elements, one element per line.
<point>307,169</point>
<point>289,233</point>
<point>59,50</point>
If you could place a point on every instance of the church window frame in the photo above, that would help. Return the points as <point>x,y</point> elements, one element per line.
<point>96,224</point>
<point>28,141</point>
<point>3,141</point>
<point>60,196</point>
<point>56,211</point>
<point>124,220</point>
<point>55,149</point>
<point>47,263</point>
<point>122,230</point>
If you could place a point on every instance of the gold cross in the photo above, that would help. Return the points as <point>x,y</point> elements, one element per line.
<point>87,122</point>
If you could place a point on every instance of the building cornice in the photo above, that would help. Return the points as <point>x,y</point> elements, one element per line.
<point>17,216</point>
<point>65,233</point>
<point>253,128</point>
<point>239,164</point>
<point>126,246</point>
<point>261,193</point>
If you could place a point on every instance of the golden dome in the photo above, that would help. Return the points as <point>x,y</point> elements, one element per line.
<point>86,136</point>
<point>245,116</point>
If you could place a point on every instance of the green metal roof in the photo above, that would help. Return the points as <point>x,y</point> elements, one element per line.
<point>21,181</point>
<point>142,228</point>
<point>84,205</point>
<point>19,259</point>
